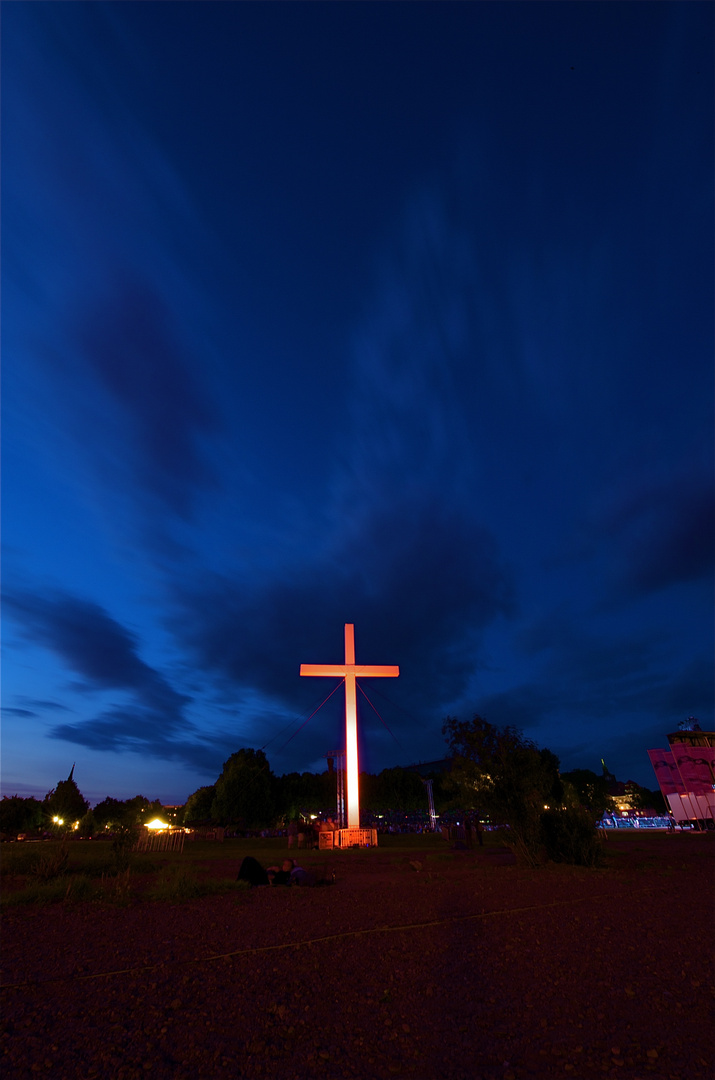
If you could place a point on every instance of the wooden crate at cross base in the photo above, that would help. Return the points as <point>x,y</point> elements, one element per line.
<point>345,838</point>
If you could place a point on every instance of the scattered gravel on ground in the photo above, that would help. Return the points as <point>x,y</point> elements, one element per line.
<point>466,967</point>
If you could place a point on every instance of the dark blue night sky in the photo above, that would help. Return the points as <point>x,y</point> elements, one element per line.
<point>393,314</point>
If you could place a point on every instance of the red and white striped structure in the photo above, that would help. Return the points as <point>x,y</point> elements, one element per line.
<point>686,775</point>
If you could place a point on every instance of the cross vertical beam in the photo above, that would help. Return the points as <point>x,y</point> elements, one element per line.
<point>349,671</point>
<point>351,745</point>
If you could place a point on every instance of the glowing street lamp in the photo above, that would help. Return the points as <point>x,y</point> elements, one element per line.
<point>349,671</point>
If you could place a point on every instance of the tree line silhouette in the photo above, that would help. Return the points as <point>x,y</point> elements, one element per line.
<point>493,772</point>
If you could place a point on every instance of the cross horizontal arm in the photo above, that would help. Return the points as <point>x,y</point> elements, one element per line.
<point>323,669</point>
<point>359,670</point>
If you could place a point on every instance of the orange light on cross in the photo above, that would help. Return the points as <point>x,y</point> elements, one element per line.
<point>350,671</point>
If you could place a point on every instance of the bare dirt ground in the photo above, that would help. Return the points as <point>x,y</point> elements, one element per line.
<point>469,967</point>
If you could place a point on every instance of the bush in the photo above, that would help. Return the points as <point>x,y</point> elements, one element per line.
<point>88,825</point>
<point>80,887</point>
<point>51,864</point>
<point>18,858</point>
<point>181,883</point>
<point>525,839</point>
<point>19,815</point>
<point>58,890</point>
<point>117,889</point>
<point>124,840</point>
<point>569,836</point>
<point>504,774</point>
<point>175,883</point>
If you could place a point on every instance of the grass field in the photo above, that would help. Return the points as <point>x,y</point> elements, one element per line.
<point>79,870</point>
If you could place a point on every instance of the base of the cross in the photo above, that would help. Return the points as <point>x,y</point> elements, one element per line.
<point>345,838</point>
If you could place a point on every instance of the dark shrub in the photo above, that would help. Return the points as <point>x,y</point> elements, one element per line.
<point>569,835</point>
<point>124,840</point>
<point>52,863</point>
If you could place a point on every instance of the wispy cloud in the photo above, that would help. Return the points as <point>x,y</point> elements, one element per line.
<point>91,643</point>
<point>584,681</point>
<point>131,349</point>
<point>665,532</point>
<point>101,287</point>
<point>137,729</point>
<point>43,705</point>
<point>418,578</point>
<point>106,655</point>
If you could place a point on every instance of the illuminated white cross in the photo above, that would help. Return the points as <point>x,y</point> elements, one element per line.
<point>350,672</point>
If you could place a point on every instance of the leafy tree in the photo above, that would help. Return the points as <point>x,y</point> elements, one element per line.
<point>289,796</point>
<point>66,801</point>
<point>308,792</point>
<point>139,810</point>
<point>589,790</point>
<point>128,813</point>
<point>88,825</point>
<point>123,841</point>
<point>570,837</point>
<point>394,789</point>
<point>442,792</point>
<point>20,815</point>
<point>500,772</point>
<point>109,812</point>
<point>646,799</point>
<point>198,805</point>
<point>244,790</point>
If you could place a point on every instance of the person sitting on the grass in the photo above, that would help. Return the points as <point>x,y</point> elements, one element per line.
<point>252,872</point>
<point>299,876</point>
<point>290,874</point>
<point>281,876</point>
<point>287,874</point>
